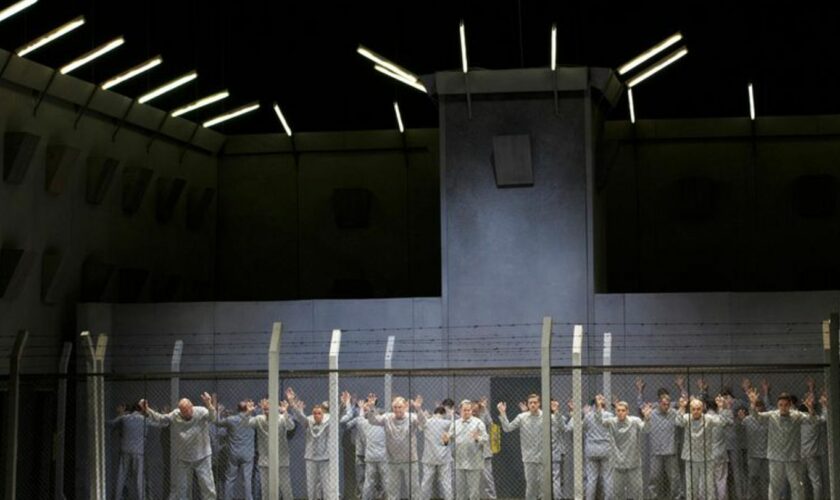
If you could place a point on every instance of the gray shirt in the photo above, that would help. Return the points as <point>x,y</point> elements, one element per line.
<point>530,434</point>
<point>698,435</point>
<point>350,421</point>
<point>756,432</point>
<point>626,439</point>
<point>400,439</point>
<point>192,437</point>
<point>434,451</point>
<point>317,436</point>
<point>720,437</point>
<point>240,435</point>
<point>469,437</point>
<point>596,437</point>
<point>285,423</point>
<point>374,440</point>
<point>813,437</point>
<point>559,437</point>
<point>784,441</point>
<point>132,429</point>
<point>662,428</point>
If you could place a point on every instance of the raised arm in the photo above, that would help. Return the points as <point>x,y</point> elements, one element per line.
<point>760,416</point>
<point>507,425</point>
<point>417,404</point>
<point>156,417</point>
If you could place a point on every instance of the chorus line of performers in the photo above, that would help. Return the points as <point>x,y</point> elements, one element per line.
<point>697,447</point>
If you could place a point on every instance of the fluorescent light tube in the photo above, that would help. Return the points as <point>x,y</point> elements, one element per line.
<point>399,117</point>
<point>652,70</point>
<point>93,54</point>
<point>132,72</point>
<point>650,53</point>
<point>282,119</point>
<point>204,101</point>
<point>15,8</point>
<point>464,66</point>
<point>232,114</point>
<point>167,87</point>
<point>49,37</point>
<point>416,84</point>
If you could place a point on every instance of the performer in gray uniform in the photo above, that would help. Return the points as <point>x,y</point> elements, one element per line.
<point>530,440</point>
<point>349,420</point>
<point>131,426</point>
<point>596,441</point>
<point>814,445</point>
<point>481,411</point>
<point>697,446</point>
<point>401,444</point>
<point>437,456</point>
<point>626,440</point>
<point>469,435</point>
<point>662,445</point>
<point>190,426</point>
<point>559,449</point>
<point>757,469</point>
<point>316,453</point>
<point>240,464</point>
<point>285,423</point>
<point>376,459</point>
<point>784,443</point>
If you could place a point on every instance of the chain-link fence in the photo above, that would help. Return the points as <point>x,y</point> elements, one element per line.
<point>647,433</point>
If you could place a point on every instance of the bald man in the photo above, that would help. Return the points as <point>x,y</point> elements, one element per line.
<point>190,428</point>
<point>401,445</point>
<point>697,445</point>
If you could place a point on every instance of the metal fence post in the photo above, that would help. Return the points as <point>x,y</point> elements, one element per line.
<point>577,397</point>
<point>96,406</point>
<point>174,396</point>
<point>331,491</point>
<point>389,356</point>
<point>607,361</point>
<point>273,418</point>
<point>14,413</point>
<point>61,420</point>
<point>545,378</point>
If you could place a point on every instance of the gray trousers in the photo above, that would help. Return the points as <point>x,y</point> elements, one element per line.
<point>720,470</point>
<point>738,471</point>
<point>813,471</point>
<point>598,468</point>
<point>244,468</point>
<point>360,475</point>
<point>664,471</point>
<point>399,472</point>
<point>627,483</point>
<point>467,484</point>
<point>285,483</point>
<point>699,480</point>
<point>557,479</point>
<point>376,479</point>
<point>130,472</point>
<point>757,478</point>
<point>786,471</point>
<point>317,478</point>
<point>488,482</point>
<point>203,470</point>
<point>533,474</point>
<point>443,474</point>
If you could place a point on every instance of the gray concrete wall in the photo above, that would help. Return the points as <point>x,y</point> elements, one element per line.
<point>41,222</point>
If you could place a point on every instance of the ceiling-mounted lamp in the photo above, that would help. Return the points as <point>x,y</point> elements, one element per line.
<point>131,72</point>
<point>15,8</point>
<point>232,114</point>
<point>658,66</point>
<point>650,53</point>
<point>390,65</point>
<point>204,101</point>
<point>752,101</point>
<point>51,36</point>
<point>554,47</point>
<point>282,119</point>
<point>632,105</point>
<point>415,84</point>
<point>399,117</point>
<point>167,87</point>
<point>90,56</point>
<point>463,36</point>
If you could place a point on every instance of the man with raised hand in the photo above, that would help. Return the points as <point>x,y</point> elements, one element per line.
<point>697,446</point>
<point>626,439</point>
<point>814,443</point>
<point>316,453</point>
<point>349,421</point>
<point>131,425</point>
<point>437,456</point>
<point>285,423</point>
<point>662,430</point>
<point>240,434</point>
<point>469,435</point>
<point>784,442</point>
<point>529,424</point>
<point>190,428</point>
<point>376,456</point>
<point>401,443</point>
